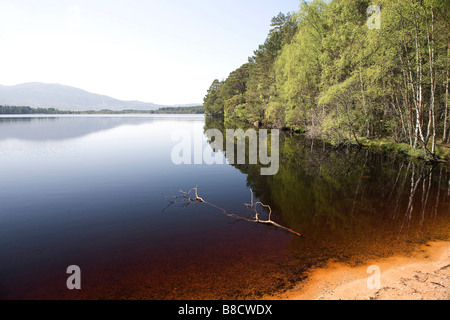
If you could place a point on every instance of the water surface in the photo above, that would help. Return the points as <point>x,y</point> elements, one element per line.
<point>88,191</point>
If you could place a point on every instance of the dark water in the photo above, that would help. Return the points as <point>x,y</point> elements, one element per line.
<point>88,191</point>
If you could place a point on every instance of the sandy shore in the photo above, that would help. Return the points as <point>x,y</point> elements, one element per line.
<point>424,275</point>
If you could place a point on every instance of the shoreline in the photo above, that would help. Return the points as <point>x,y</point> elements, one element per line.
<point>442,154</point>
<point>422,275</point>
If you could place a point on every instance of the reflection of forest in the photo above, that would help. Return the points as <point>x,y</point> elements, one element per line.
<point>351,203</point>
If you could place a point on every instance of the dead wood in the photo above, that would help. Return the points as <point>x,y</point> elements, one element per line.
<point>192,197</point>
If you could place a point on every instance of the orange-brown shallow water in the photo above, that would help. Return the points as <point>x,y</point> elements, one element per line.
<point>266,264</point>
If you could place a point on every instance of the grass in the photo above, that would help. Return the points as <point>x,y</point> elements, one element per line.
<point>442,150</point>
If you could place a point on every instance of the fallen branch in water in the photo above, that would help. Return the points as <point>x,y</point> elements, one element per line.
<point>188,199</point>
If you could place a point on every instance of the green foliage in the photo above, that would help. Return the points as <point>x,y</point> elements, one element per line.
<point>249,90</point>
<point>212,102</point>
<point>180,110</point>
<point>324,70</point>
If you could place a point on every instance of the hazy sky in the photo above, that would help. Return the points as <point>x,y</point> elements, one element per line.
<point>160,51</point>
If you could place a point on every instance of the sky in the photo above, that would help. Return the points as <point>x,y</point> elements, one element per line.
<point>162,51</point>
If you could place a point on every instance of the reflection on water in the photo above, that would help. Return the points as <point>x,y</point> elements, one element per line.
<point>88,191</point>
<point>351,203</point>
<point>68,127</point>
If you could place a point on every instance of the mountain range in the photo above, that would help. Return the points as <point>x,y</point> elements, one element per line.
<point>66,98</point>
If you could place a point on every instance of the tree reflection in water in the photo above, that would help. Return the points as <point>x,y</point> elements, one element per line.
<point>350,203</point>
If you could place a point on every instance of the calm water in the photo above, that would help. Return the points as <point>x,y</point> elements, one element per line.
<point>88,191</point>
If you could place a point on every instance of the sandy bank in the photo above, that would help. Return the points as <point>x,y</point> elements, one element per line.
<point>424,275</point>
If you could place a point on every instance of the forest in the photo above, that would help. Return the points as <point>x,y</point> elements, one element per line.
<point>165,110</point>
<point>348,72</point>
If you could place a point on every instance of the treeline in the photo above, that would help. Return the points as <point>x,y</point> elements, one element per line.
<point>29,110</point>
<point>182,110</point>
<point>167,110</point>
<point>329,71</point>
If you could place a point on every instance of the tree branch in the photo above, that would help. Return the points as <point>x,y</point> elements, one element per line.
<point>192,197</point>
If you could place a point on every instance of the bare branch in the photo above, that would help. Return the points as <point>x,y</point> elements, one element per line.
<point>252,207</point>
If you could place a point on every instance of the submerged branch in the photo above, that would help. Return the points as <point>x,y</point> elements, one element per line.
<point>192,197</point>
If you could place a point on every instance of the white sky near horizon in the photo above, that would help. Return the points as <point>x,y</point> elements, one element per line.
<point>161,51</point>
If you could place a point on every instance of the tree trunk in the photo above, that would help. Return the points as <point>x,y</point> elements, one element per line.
<point>419,91</point>
<point>432,120</point>
<point>446,137</point>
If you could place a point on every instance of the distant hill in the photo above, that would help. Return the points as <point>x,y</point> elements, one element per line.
<point>43,95</point>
